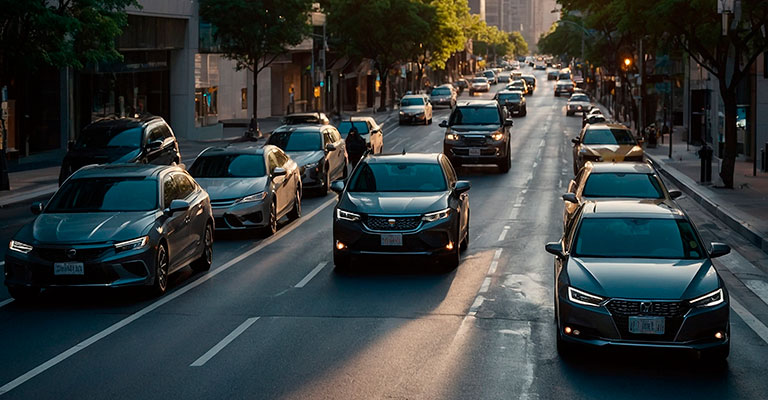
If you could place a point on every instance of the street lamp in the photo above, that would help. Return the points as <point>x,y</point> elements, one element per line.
<point>627,62</point>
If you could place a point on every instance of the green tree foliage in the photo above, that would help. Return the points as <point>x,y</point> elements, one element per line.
<point>488,41</point>
<point>255,32</point>
<point>445,35</point>
<point>519,43</point>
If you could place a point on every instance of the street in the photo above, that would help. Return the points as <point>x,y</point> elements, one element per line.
<point>271,319</point>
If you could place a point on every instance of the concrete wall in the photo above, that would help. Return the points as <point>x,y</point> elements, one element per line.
<point>761,106</point>
<point>231,84</point>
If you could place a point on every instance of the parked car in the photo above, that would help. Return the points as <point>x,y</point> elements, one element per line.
<point>403,204</point>
<point>443,96</point>
<point>563,86</point>
<point>513,101</point>
<point>578,102</point>
<point>113,226</point>
<point>477,132</point>
<point>249,187</point>
<point>415,108</point>
<point>479,84</point>
<point>368,129</point>
<point>318,150</point>
<point>113,140</point>
<point>605,143</point>
<point>306,118</point>
<point>636,273</point>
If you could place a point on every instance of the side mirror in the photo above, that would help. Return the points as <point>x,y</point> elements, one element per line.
<point>575,141</point>
<point>509,122</point>
<point>71,145</point>
<point>719,249</point>
<point>177,206</point>
<point>330,147</point>
<point>461,187</point>
<point>675,194</point>
<point>443,124</point>
<point>337,186</point>
<point>154,145</point>
<point>36,208</point>
<point>571,198</point>
<point>556,249</point>
<point>279,172</point>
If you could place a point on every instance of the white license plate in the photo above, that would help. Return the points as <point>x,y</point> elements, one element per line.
<point>392,239</point>
<point>68,268</point>
<point>474,152</point>
<point>646,325</point>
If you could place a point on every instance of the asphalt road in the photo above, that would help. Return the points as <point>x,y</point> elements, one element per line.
<point>272,320</point>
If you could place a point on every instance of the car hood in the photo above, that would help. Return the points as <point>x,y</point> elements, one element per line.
<point>612,152</point>
<point>90,227</point>
<point>232,188</point>
<point>635,278</point>
<point>106,155</point>
<point>395,203</point>
<point>412,109</point>
<point>440,97</point>
<point>474,128</point>
<point>303,158</point>
<point>578,103</point>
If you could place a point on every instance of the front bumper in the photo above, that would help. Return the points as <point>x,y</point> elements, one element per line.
<point>235,215</point>
<point>514,108</point>
<point>102,267</point>
<point>467,152</point>
<point>481,89</point>
<point>412,117</point>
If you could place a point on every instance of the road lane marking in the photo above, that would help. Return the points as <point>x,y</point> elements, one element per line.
<point>492,268</point>
<point>486,285</point>
<point>475,306</point>
<point>224,342</point>
<point>503,233</point>
<point>758,287</point>
<point>5,302</point>
<point>311,275</point>
<point>758,327</point>
<point>497,254</point>
<point>157,304</point>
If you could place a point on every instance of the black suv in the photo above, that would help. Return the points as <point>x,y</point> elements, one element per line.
<point>477,132</point>
<point>111,140</point>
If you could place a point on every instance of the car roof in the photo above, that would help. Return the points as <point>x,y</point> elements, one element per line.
<point>609,125</point>
<point>359,119</point>
<point>237,148</point>
<point>631,209</point>
<point>620,167</point>
<point>132,170</point>
<point>478,103</point>
<point>122,123</point>
<point>302,127</point>
<point>505,91</point>
<point>400,157</point>
<point>414,96</point>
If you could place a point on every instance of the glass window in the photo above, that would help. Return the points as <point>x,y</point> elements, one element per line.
<point>480,80</point>
<point>441,91</point>
<point>345,126</point>
<point>99,137</point>
<point>272,161</point>
<point>297,140</point>
<point>608,136</point>
<point>637,238</point>
<point>228,166</point>
<point>509,97</point>
<point>642,186</point>
<point>170,190</point>
<point>579,97</point>
<point>475,116</point>
<point>186,187</point>
<point>412,101</point>
<point>105,195</point>
<point>154,134</point>
<point>398,177</point>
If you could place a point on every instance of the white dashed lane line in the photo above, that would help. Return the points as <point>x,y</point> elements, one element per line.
<point>224,342</point>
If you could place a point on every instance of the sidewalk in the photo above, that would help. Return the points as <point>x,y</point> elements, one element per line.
<point>33,183</point>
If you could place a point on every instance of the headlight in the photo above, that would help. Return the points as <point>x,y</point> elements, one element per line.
<point>437,215</point>
<point>19,246</point>
<point>346,215</point>
<point>709,299</point>
<point>132,244</point>
<point>579,297</point>
<point>312,165</point>
<point>497,136</point>
<point>402,113</point>
<point>451,136</point>
<point>254,197</point>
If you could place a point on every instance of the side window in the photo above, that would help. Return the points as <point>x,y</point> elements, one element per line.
<point>272,161</point>
<point>570,229</point>
<point>154,133</point>
<point>170,190</point>
<point>185,185</point>
<point>165,131</point>
<point>449,171</point>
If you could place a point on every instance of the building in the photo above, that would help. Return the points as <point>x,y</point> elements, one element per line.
<point>478,7</point>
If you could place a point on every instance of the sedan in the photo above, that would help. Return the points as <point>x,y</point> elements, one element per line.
<point>579,102</point>
<point>479,84</point>
<point>410,205</point>
<point>250,187</point>
<point>637,274</point>
<point>518,85</point>
<point>443,96</point>
<point>512,101</point>
<point>368,129</point>
<point>113,226</point>
<point>605,143</point>
<point>563,86</point>
<point>415,108</point>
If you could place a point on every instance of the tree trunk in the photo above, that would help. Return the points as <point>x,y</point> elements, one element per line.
<point>729,157</point>
<point>255,100</point>
<point>383,73</point>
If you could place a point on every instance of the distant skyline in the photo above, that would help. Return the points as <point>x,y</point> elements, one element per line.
<point>530,17</point>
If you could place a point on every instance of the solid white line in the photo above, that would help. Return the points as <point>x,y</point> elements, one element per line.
<point>486,285</point>
<point>758,287</point>
<point>311,275</point>
<point>503,233</point>
<point>497,255</point>
<point>224,342</point>
<point>758,327</point>
<point>492,268</point>
<point>6,302</point>
<point>473,308</point>
<point>157,304</point>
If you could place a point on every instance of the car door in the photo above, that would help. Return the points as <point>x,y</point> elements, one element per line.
<point>291,180</point>
<point>463,198</point>
<point>336,159</point>
<point>195,219</point>
<point>174,226</point>
<point>279,191</point>
<point>377,137</point>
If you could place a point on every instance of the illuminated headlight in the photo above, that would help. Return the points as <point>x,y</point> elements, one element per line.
<point>132,244</point>
<point>346,215</point>
<point>402,112</point>
<point>254,197</point>
<point>451,136</point>
<point>709,299</point>
<point>19,246</point>
<point>579,297</point>
<point>437,215</point>
<point>497,136</point>
<point>312,165</point>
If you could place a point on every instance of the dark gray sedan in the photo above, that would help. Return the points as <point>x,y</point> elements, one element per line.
<point>110,226</point>
<point>250,187</point>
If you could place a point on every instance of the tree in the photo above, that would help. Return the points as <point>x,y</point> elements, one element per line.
<point>385,31</point>
<point>255,32</point>
<point>519,43</point>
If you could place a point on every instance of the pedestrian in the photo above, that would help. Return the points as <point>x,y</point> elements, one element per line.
<point>356,146</point>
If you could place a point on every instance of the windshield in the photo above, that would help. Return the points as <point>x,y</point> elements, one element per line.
<point>580,97</point>
<point>101,137</point>
<point>509,97</point>
<point>228,166</point>
<point>297,140</point>
<point>475,116</point>
<point>608,136</point>
<point>489,74</point>
<point>565,76</point>
<point>441,92</point>
<point>479,80</point>
<point>398,177</point>
<point>637,238</point>
<point>301,119</point>
<point>105,195</point>
<point>345,126</point>
<point>641,186</point>
<point>412,101</point>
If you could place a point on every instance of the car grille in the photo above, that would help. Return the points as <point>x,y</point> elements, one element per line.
<point>673,311</point>
<point>474,141</point>
<point>400,223</point>
<point>465,152</point>
<point>223,203</point>
<point>57,254</point>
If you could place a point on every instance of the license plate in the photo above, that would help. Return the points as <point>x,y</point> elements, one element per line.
<point>474,152</point>
<point>68,268</point>
<point>392,239</point>
<point>646,325</point>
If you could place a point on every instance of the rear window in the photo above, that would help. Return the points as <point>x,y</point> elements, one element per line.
<point>475,116</point>
<point>297,140</point>
<point>398,177</point>
<point>441,92</point>
<point>105,195</point>
<point>608,136</point>
<point>637,238</point>
<point>412,101</point>
<point>505,97</point>
<point>641,186</point>
<point>565,76</point>
<point>228,166</point>
<point>479,80</point>
<point>345,126</point>
<point>489,74</point>
<point>580,97</point>
<point>100,137</point>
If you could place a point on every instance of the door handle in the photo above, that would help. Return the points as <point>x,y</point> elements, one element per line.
<point>187,219</point>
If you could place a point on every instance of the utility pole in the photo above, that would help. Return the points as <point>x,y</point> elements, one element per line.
<point>5,183</point>
<point>641,116</point>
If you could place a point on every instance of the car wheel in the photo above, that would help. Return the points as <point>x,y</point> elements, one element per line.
<point>451,260</point>
<point>206,259</point>
<point>24,294</point>
<point>717,354</point>
<point>430,121</point>
<point>326,182</point>
<point>296,211</point>
<point>271,227</point>
<point>506,163</point>
<point>568,113</point>
<point>525,112</point>
<point>465,243</point>
<point>341,262</point>
<point>161,271</point>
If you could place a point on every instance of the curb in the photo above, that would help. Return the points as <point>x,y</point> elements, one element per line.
<point>699,194</point>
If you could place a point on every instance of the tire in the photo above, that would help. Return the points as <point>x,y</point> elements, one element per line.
<point>451,261</point>
<point>718,354</point>
<point>160,284</point>
<point>471,93</point>
<point>24,294</point>
<point>341,262</point>
<point>525,112</point>
<point>430,121</point>
<point>465,243</point>
<point>203,263</point>
<point>295,212</point>
<point>568,113</point>
<point>271,227</point>
<point>506,163</point>
<point>326,182</point>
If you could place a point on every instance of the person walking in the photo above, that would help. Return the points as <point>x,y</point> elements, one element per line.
<point>356,146</point>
